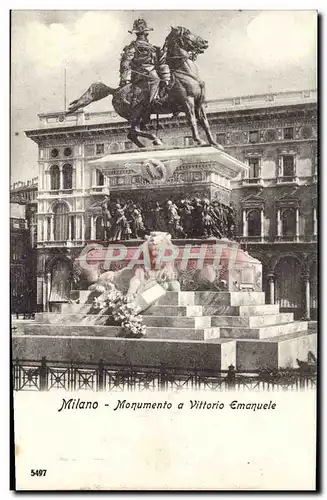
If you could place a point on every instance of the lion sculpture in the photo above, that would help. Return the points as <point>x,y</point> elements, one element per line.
<point>134,279</point>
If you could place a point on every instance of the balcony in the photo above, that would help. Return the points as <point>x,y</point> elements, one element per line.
<point>60,192</point>
<point>60,244</point>
<point>288,238</point>
<point>253,239</point>
<point>288,179</point>
<point>252,181</point>
<point>293,238</point>
<point>98,190</point>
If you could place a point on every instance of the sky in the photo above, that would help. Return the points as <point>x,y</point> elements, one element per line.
<point>250,52</point>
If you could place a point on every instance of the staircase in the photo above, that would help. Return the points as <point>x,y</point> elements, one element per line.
<point>204,330</point>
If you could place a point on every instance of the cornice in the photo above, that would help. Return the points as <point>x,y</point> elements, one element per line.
<point>294,111</point>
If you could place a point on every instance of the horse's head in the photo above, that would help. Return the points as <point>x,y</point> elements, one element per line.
<point>186,40</point>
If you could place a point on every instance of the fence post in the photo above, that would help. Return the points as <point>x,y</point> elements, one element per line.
<point>162,377</point>
<point>231,376</point>
<point>15,374</point>
<point>100,386</point>
<point>43,375</point>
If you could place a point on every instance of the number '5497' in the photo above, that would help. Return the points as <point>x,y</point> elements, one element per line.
<point>38,472</point>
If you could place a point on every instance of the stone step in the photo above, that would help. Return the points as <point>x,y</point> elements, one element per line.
<point>73,319</point>
<point>278,352</point>
<point>173,311</point>
<point>187,298</point>
<point>240,310</point>
<point>83,296</point>
<point>131,352</point>
<point>241,332</point>
<point>178,321</point>
<point>229,298</point>
<point>76,308</point>
<point>105,319</point>
<point>211,298</point>
<point>73,330</point>
<point>177,299</point>
<point>252,321</point>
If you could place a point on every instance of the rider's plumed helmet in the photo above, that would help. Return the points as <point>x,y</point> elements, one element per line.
<point>140,26</point>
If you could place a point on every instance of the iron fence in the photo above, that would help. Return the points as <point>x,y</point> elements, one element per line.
<point>46,375</point>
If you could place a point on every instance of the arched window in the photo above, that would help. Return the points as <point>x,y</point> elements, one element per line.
<point>60,211</point>
<point>68,176</point>
<point>55,177</point>
<point>254,223</point>
<point>289,222</point>
<point>99,230</point>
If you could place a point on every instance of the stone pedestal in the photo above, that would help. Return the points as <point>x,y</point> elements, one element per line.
<point>200,264</point>
<point>160,174</point>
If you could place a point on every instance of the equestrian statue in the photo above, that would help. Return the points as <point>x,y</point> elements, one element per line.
<point>156,80</point>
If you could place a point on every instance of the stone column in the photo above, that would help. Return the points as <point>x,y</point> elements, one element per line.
<point>306,281</point>
<point>74,178</point>
<point>297,224</point>
<point>47,285</point>
<point>39,230</point>
<point>61,186</point>
<point>52,228</point>
<point>280,166</point>
<point>245,224</point>
<point>262,223</point>
<point>78,227</point>
<point>69,227</point>
<point>271,285</point>
<point>45,228</point>
<point>279,226</point>
<point>83,228</point>
<point>93,235</point>
<point>314,222</point>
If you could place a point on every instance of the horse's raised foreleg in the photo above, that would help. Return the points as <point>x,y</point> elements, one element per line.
<point>203,120</point>
<point>190,115</point>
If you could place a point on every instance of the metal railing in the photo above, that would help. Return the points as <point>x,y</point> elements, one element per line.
<point>45,375</point>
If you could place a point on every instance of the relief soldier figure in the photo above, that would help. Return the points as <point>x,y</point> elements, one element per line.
<point>106,216</point>
<point>173,219</point>
<point>120,229</point>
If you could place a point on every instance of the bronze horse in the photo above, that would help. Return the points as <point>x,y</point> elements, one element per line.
<point>185,94</point>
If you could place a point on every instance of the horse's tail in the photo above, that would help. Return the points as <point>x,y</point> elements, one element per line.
<point>95,92</point>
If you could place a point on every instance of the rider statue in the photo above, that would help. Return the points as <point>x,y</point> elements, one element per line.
<point>144,66</point>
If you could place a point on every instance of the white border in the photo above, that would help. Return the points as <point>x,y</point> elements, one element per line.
<point>4,135</point>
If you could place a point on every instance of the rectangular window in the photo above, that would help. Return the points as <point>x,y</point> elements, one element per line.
<point>89,150</point>
<point>99,178</point>
<point>254,164</point>
<point>48,228</point>
<point>73,228</point>
<point>99,149</point>
<point>288,166</point>
<point>288,133</point>
<point>221,138</point>
<point>254,136</point>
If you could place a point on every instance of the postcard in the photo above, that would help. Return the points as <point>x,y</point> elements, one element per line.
<point>163,250</point>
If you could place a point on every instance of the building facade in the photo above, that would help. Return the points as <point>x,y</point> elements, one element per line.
<point>23,241</point>
<point>276,204</point>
